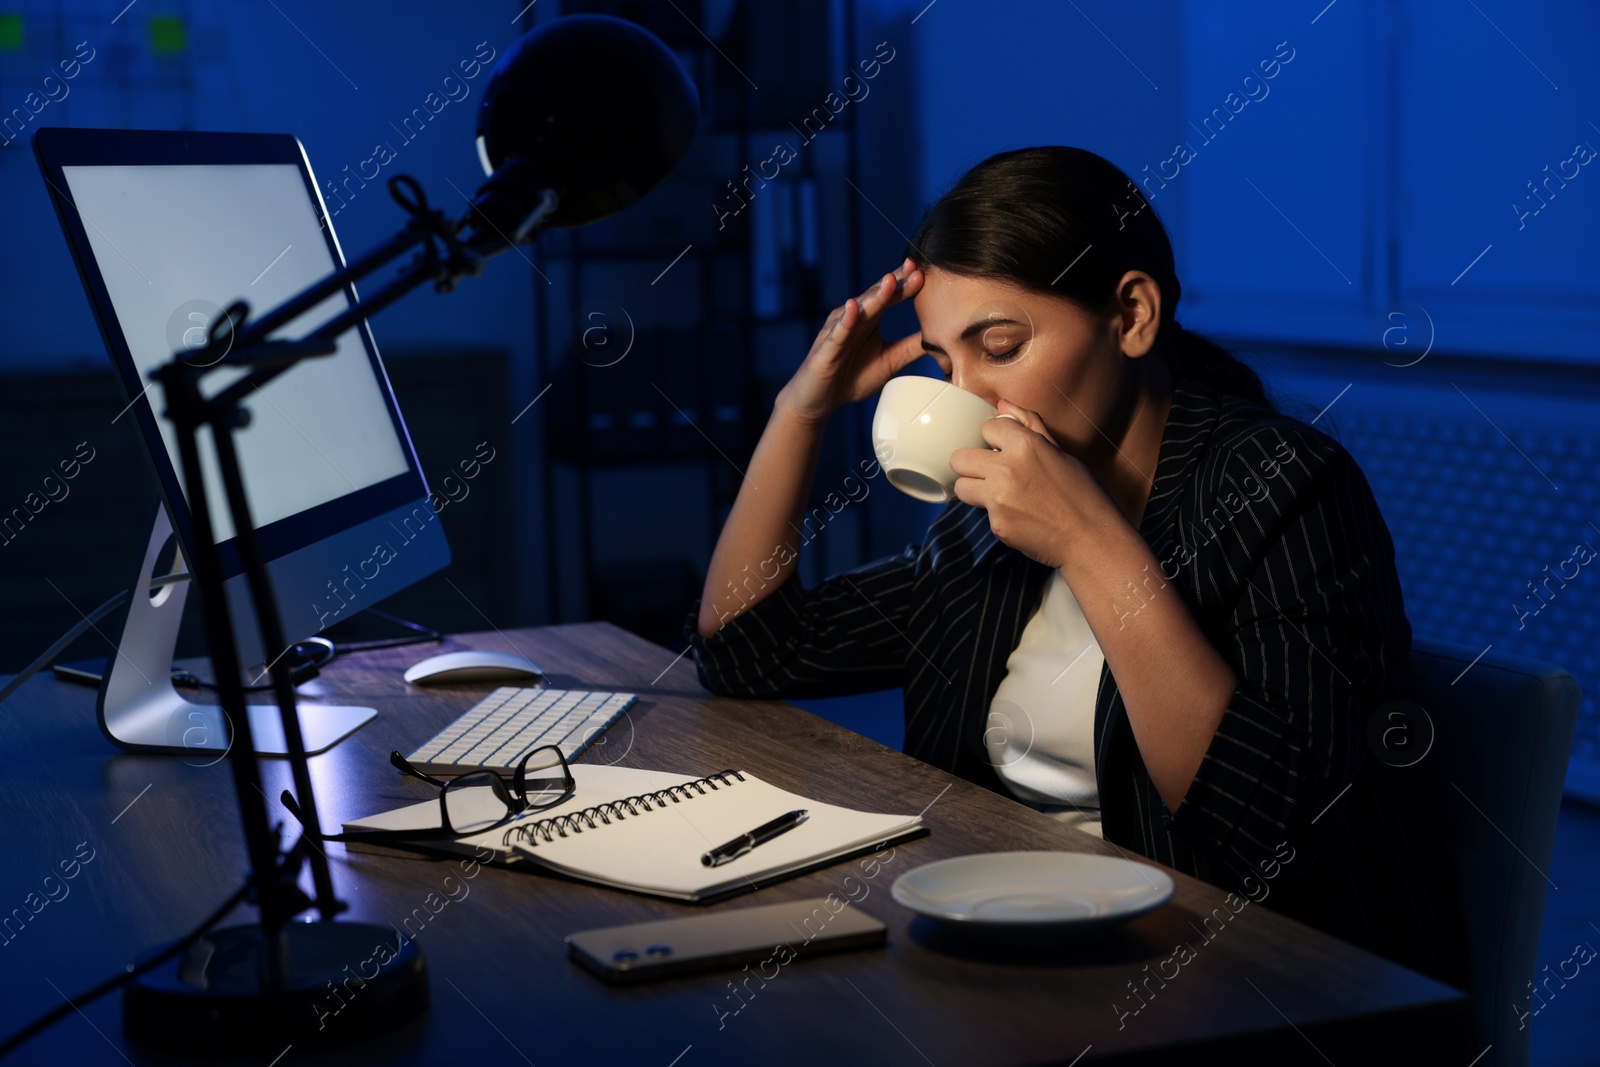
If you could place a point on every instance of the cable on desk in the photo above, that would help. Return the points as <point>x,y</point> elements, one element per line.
<point>428,632</point>
<point>305,670</point>
<point>309,664</point>
<point>66,639</point>
<point>55,1015</point>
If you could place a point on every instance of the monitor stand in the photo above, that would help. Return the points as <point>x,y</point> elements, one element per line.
<point>139,709</point>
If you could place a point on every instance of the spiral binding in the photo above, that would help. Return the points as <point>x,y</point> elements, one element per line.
<point>554,826</point>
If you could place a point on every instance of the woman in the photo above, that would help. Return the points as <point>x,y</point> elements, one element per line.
<point>1158,607</point>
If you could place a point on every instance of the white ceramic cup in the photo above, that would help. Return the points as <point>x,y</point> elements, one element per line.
<point>920,421</point>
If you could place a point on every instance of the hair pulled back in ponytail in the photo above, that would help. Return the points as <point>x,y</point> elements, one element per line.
<point>1067,222</point>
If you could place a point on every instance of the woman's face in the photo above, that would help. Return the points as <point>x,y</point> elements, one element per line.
<point>1039,352</point>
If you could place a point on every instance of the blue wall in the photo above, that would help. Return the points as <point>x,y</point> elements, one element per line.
<point>1362,178</point>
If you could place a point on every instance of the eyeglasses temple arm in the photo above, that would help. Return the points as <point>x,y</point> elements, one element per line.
<point>400,764</point>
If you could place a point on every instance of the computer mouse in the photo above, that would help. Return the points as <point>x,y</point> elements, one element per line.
<point>453,668</point>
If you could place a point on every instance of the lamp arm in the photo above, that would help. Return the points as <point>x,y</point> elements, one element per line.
<point>462,257</point>
<point>425,225</point>
<point>548,202</point>
<point>248,344</point>
<point>316,293</point>
<point>188,410</point>
<point>267,359</point>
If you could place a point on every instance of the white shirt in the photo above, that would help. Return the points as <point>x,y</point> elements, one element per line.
<point>1040,731</point>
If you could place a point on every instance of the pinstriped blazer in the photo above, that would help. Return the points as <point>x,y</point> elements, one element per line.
<point>1269,532</point>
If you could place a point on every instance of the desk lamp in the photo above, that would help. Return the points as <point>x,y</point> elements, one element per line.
<point>581,117</point>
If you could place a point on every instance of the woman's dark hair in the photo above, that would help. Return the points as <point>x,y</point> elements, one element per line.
<point>1066,222</point>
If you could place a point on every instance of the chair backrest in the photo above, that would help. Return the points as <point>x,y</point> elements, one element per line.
<point>1503,728</point>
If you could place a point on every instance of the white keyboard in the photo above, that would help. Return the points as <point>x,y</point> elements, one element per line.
<point>501,728</point>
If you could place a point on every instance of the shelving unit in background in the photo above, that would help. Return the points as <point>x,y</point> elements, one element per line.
<point>667,330</point>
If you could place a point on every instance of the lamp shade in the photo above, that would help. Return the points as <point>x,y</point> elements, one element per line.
<point>594,108</point>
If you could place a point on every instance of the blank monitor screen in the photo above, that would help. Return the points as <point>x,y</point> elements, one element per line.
<point>171,240</point>
<point>167,229</point>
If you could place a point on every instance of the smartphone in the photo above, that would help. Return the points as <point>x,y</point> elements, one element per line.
<point>774,932</point>
<point>84,672</point>
<point>88,671</point>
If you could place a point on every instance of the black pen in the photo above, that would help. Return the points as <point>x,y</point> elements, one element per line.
<point>759,836</point>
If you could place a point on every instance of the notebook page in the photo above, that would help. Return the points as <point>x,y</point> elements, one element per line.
<point>659,850</point>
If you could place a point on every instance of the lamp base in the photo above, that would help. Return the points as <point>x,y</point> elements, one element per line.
<point>345,981</point>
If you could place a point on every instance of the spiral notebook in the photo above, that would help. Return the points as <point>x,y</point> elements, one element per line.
<point>645,831</point>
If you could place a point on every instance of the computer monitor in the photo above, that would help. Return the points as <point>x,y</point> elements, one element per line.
<point>167,229</point>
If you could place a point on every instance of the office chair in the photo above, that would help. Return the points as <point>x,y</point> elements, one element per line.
<point>1503,733</point>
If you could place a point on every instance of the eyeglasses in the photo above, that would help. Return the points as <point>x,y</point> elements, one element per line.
<point>472,803</point>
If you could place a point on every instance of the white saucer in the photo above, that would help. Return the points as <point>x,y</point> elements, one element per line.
<point>1038,892</point>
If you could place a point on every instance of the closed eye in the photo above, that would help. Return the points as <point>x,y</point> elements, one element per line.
<point>994,358</point>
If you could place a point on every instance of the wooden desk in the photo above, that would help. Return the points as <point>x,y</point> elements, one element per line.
<point>167,847</point>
